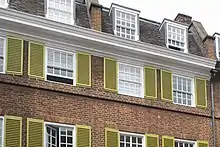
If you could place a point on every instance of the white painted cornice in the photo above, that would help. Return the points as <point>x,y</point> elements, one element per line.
<point>72,37</point>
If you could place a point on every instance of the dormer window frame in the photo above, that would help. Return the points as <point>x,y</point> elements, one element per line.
<point>217,45</point>
<point>72,7</point>
<point>179,26</point>
<point>5,5</point>
<point>126,11</point>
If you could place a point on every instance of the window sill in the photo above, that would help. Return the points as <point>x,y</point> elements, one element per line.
<point>137,96</point>
<point>184,105</point>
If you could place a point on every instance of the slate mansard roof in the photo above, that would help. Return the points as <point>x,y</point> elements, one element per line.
<point>149,32</point>
<point>37,7</point>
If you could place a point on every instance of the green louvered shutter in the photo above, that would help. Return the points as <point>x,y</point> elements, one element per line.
<point>110,74</point>
<point>35,133</point>
<point>166,85</point>
<point>111,138</point>
<point>152,140</point>
<point>13,131</point>
<point>201,96</point>
<point>202,144</point>
<point>36,60</point>
<point>14,58</point>
<point>150,82</point>
<point>83,136</point>
<point>83,69</point>
<point>167,141</point>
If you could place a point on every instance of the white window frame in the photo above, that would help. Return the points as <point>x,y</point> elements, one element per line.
<point>72,12</point>
<point>74,64</point>
<point>2,117</point>
<point>186,141</point>
<point>142,79</point>
<point>117,8</point>
<point>193,103</point>
<point>59,125</point>
<point>132,134</point>
<point>4,53</point>
<point>185,48</point>
<point>5,4</point>
<point>216,46</point>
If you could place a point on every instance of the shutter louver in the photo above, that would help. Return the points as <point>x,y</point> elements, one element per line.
<point>111,138</point>
<point>167,141</point>
<point>150,82</point>
<point>35,132</point>
<point>36,60</point>
<point>13,131</point>
<point>202,144</point>
<point>110,74</point>
<point>201,96</point>
<point>166,86</point>
<point>152,140</point>
<point>14,60</point>
<point>83,69</point>
<point>83,136</point>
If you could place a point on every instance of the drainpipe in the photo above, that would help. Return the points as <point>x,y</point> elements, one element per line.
<point>213,74</point>
<point>213,117</point>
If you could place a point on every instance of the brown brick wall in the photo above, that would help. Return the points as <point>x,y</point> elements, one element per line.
<point>55,102</point>
<point>209,45</point>
<point>96,17</point>
<point>73,109</point>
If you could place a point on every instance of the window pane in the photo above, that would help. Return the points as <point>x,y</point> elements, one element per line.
<point>50,57</point>
<point>69,140</point>
<point>57,58</point>
<point>50,70</point>
<point>60,10</point>
<point>60,64</point>
<point>125,25</point>
<point>183,144</point>
<point>181,92</point>
<point>130,80</point>
<point>63,60</point>
<point>130,141</point>
<point>176,36</point>
<point>69,74</point>
<point>63,138</point>
<point>70,61</point>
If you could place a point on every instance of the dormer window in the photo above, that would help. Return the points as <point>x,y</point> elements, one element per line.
<point>60,10</point>
<point>4,3</point>
<point>176,37</point>
<point>175,34</point>
<point>217,45</point>
<point>125,22</point>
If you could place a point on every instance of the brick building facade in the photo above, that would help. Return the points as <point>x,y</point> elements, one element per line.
<point>90,105</point>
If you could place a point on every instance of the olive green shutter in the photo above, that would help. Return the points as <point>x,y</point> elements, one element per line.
<point>14,59</point>
<point>83,136</point>
<point>202,143</point>
<point>201,96</point>
<point>110,74</point>
<point>152,140</point>
<point>167,141</point>
<point>111,138</point>
<point>166,85</point>
<point>36,60</point>
<point>83,69</point>
<point>13,129</point>
<point>150,82</point>
<point>35,133</point>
